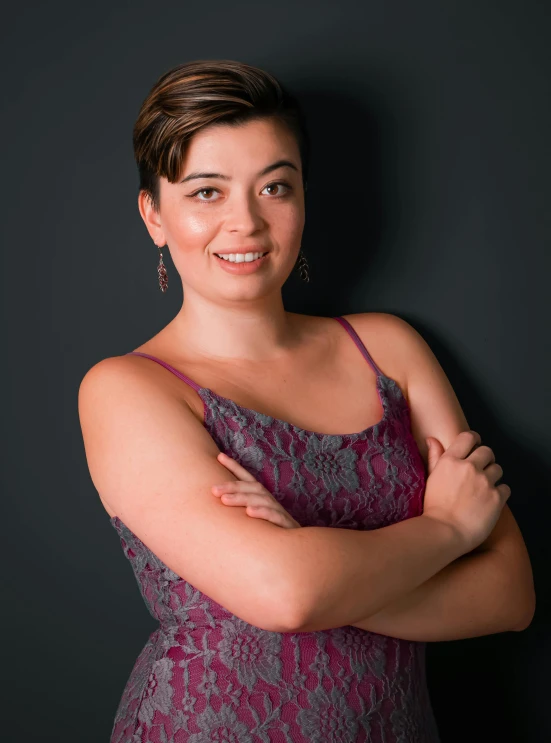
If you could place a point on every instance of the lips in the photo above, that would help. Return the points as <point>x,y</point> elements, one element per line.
<point>261,255</point>
<point>257,249</point>
<point>241,267</point>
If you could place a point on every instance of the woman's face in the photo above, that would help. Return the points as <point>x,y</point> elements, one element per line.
<point>231,200</point>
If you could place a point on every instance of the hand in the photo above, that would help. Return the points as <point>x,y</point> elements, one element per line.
<point>248,492</point>
<point>461,487</point>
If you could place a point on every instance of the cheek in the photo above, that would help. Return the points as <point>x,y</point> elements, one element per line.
<point>197,224</point>
<point>192,230</point>
<point>290,224</point>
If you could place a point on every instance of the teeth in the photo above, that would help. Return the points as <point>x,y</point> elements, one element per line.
<point>240,257</point>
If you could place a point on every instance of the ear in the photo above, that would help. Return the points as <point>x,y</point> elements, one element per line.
<point>151,218</point>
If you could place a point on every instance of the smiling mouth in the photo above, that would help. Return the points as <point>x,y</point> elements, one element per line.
<point>240,257</point>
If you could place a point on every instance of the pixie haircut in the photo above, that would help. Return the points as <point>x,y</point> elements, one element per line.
<point>199,94</point>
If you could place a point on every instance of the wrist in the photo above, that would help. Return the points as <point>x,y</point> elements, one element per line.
<point>452,536</point>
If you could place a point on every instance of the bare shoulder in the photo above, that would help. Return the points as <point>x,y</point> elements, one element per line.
<point>382,334</point>
<point>434,407</point>
<point>117,392</point>
<point>154,464</point>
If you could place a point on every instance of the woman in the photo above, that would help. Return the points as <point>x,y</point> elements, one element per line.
<point>272,625</point>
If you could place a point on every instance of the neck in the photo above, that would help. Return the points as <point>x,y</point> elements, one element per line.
<point>257,331</point>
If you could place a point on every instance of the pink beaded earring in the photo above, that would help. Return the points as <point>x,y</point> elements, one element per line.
<point>161,270</point>
<point>302,262</point>
<point>303,266</point>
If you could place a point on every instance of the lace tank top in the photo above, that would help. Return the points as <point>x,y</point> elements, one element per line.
<point>206,675</point>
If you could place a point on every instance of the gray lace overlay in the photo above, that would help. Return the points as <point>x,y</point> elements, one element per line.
<point>206,675</point>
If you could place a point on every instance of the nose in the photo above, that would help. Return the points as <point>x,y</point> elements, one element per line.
<point>244,214</point>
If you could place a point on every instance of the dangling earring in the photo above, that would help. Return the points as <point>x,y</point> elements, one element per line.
<point>161,270</point>
<point>303,266</point>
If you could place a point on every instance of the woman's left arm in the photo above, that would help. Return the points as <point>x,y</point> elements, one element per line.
<point>486,591</point>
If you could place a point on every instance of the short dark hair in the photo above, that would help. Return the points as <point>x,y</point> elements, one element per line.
<point>201,93</point>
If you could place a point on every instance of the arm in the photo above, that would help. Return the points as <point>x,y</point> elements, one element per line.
<point>458,600</point>
<point>474,595</point>
<point>348,575</point>
<point>153,462</point>
<point>488,590</point>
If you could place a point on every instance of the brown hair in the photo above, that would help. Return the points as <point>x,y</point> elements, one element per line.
<point>197,94</point>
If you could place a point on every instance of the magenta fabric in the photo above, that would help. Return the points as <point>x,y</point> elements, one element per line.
<point>206,675</point>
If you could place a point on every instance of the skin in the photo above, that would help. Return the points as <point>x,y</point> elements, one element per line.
<point>224,316</point>
<point>235,327</point>
<point>241,319</point>
<point>232,317</point>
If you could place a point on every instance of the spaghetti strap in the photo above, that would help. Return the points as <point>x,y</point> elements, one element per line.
<point>179,374</point>
<point>358,341</point>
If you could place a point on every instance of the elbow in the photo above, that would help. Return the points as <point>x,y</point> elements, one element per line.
<point>523,625</point>
<point>286,600</point>
<point>280,606</point>
<point>273,613</point>
<point>279,615</point>
<point>293,608</point>
<point>529,606</point>
<point>293,613</point>
<point>519,591</point>
<point>300,615</point>
<point>528,616</point>
<point>298,600</point>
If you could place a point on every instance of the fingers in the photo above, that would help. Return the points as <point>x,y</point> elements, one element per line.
<point>238,486</point>
<point>239,499</point>
<point>504,491</point>
<point>493,472</point>
<point>257,501</point>
<point>482,456</point>
<point>467,445</point>
<point>463,444</point>
<point>257,508</point>
<point>234,467</point>
<point>269,514</point>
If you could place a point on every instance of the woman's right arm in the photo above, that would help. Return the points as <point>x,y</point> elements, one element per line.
<point>358,573</point>
<point>154,463</point>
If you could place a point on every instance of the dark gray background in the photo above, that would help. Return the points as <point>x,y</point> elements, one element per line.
<point>429,198</point>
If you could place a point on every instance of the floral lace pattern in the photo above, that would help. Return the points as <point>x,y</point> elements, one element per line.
<point>206,675</point>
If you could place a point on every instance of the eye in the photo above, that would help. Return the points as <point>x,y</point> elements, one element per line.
<point>277,184</point>
<point>202,190</point>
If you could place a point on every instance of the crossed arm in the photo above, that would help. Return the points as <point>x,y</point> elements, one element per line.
<point>486,591</point>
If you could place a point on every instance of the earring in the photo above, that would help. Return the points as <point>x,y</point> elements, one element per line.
<point>161,270</point>
<point>303,266</point>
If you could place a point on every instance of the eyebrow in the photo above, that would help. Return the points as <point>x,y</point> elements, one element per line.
<point>265,171</point>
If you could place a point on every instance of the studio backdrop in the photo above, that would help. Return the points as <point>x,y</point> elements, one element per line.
<point>428,198</point>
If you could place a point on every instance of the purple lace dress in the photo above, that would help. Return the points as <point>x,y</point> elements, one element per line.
<point>206,675</point>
